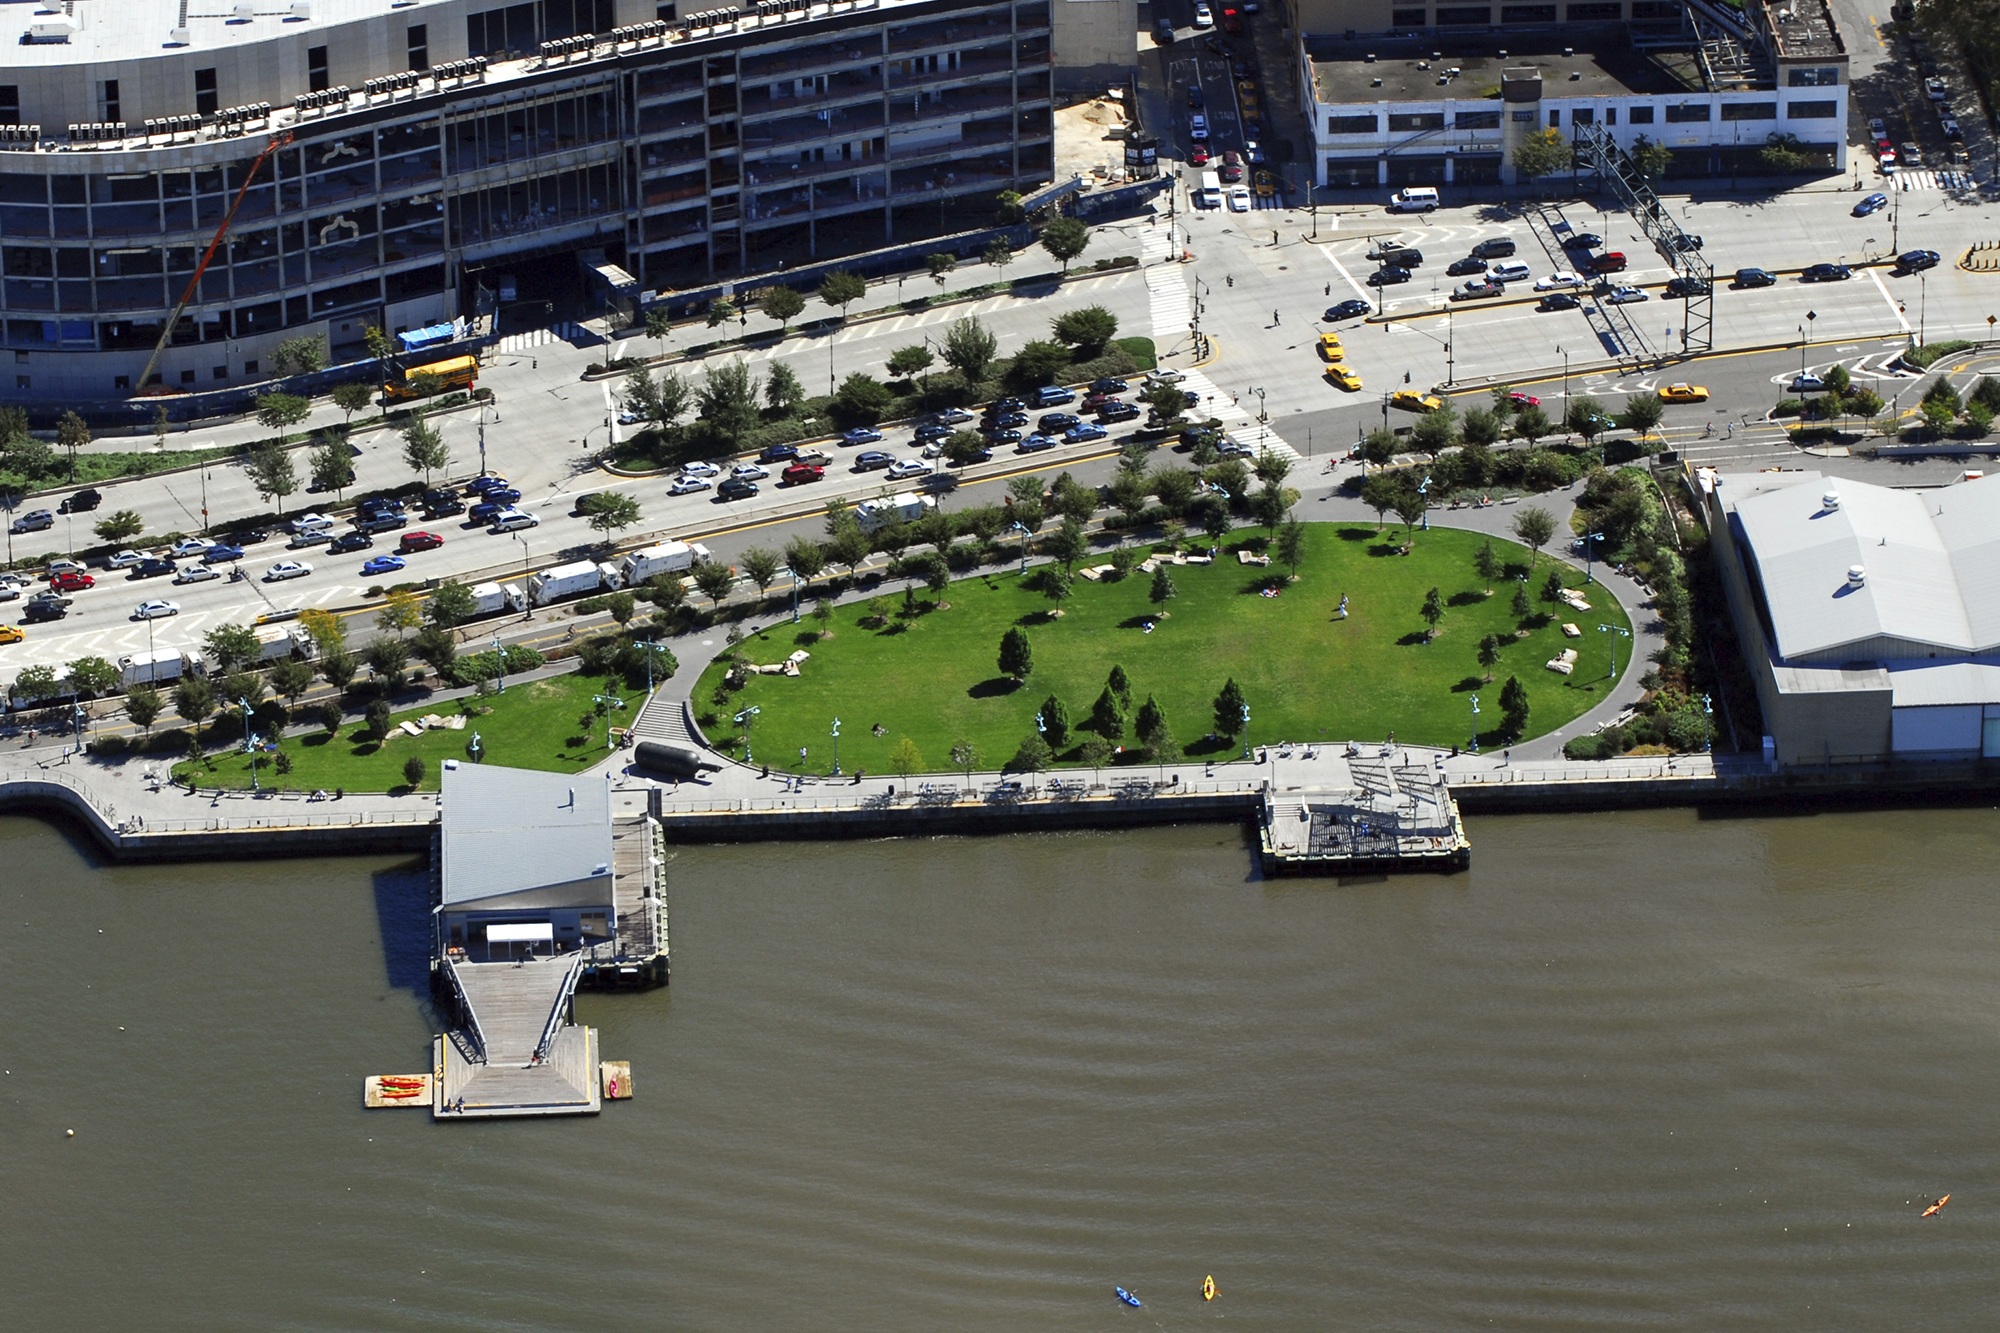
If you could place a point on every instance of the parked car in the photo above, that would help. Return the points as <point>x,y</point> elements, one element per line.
<point>1826,273</point>
<point>1477,289</point>
<point>123,559</point>
<point>483,512</point>
<point>35,520</point>
<point>1198,155</point>
<point>750,472</point>
<point>1007,421</point>
<point>1808,383</point>
<point>1057,422</point>
<point>1388,277</point>
<point>907,468</point>
<point>1197,127</point>
<point>1050,395</point>
<point>196,574</point>
<point>69,581</point>
<point>1002,436</point>
<point>1239,199</point>
<point>353,541</point>
<point>221,555</point>
<point>512,520</point>
<point>800,474</point>
<point>153,567</point>
<point>480,485</point>
<point>1034,444</point>
<point>1627,296</point>
<point>298,569</point>
<point>1461,267</point>
<point>1583,240</point>
<point>1560,280</point>
<point>1684,242</point>
<point>1494,247</point>
<point>1512,270</point>
<point>1085,432</point>
<point>700,470</point>
<point>925,434</point>
<point>1611,261</point>
<point>1686,287</point>
<point>1109,386</point>
<point>778,453</point>
<point>1117,410</point>
<point>81,502</point>
<point>1916,261</point>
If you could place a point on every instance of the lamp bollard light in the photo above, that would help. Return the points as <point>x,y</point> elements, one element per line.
<point>1246,731</point>
<point>1614,632</point>
<point>743,720</point>
<point>500,664</point>
<point>1023,530</point>
<point>1473,745</point>
<point>610,701</point>
<point>249,741</point>
<point>836,747</point>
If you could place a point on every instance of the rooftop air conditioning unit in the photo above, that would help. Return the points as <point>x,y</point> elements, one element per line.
<point>245,11</point>
<point>1856,576</point>
<point>179,37</point>
<point>1830,501</point>
<point>301,10</point>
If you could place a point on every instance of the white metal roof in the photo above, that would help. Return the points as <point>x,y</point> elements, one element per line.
<point>509,829</point>
<point>1931,576</point>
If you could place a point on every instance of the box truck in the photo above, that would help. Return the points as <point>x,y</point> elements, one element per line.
<point>492,598</point>
<point>571,580</point>
<point>666,558</point>
<point>161,666</point>
<point>905,508</point>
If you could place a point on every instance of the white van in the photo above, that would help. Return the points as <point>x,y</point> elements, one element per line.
<point>1211,190</point>
<point>1416,199</point>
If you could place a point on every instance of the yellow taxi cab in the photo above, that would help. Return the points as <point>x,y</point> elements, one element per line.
<point>8,634</point>
<point>1265,184</point>
<point>1414,400</point>
<point>1329,346</point>
<point>1344,375</point>
<point>1683,393</point>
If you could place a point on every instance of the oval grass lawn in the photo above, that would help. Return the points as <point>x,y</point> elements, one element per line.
<point>1307,674</point>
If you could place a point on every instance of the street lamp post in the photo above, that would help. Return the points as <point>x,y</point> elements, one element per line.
<point>1263,414</point>
<point>527,601</point>
<point>836,747</point>
<point>795,593</point>
<point>1923,305</point>
<point>649,647</point>
<point>1590,540</point>
<point>1023,530</point>
<point>1805,339</point>
<point>1474,744</point>
<point>1246,731</point>
<point>249,741</point>
<point>1614,632</point>
<point>743,720</point>
<point>1565,356</point>
<point>610,701</point>
<point>500,664</point>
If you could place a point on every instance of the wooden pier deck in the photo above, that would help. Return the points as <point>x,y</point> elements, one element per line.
<point>496,1065</point>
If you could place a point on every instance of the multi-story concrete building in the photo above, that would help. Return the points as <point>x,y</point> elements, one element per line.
<point>435,145</point>
<point>1402,92</point>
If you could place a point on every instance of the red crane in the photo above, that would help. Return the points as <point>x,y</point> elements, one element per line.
<point>278,140</point>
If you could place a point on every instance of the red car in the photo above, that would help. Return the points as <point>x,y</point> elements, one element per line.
<point>419,541</point>
<point>1524,400</point>
<point>1611,261</point>
<point>1198,155</point>
<point>1232,22</point>
<point>72,582</point>
<point>798,474</point>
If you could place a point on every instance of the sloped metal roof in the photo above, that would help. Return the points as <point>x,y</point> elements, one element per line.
<point>507,830</point>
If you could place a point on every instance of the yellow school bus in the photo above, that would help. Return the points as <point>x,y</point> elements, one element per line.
<point>457,373</point>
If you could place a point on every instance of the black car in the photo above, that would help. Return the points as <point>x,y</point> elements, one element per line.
<point>1003,436</point>
<point>1755,277</point>
<point>1006,420</point>
<point>1558,301</point>
<point>868,460</point>
<point>1194,436</point>
<point>45,607</point>
<point>484,512</point>
<point>735,488</point>
<point>1460,268</point>
<point>443,508</point>
<point>247,537</point>
<point>489,482</point>
<point>153,567</point>
<point>1686,287</point>
<point>1916,261</point>
<point>1109,386</point>
<point>349,541</point>
<point>925,434</point>
<point>1348,310</point>
<point>999,405</point>
<point>1583,240</point>
<point>1388,277</point>
<point>1826,273</point>
<point>1117,411</point>
<point>1056,422</point>
<point>1684,242</point>
<point>81,502</point>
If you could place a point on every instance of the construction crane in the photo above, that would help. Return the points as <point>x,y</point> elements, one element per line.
<point>278,140</point>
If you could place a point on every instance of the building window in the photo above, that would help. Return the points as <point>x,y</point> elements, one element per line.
<point>1657,9</point>
<point>1555,118</point>
<point>1582,115</point>
<point>1749,110</point>
<point>420,46</point>
<point>1812,78</point>
<point>1523,117</point>
<point>1476,120</point>
<point>122,383</point>
<point>10,104</point>
<point>1811,110</point>
<point>1464,16</point>
<point>187,377</point>
<point>1527,13</point>
<point>1352,124</point>
<point>1640,115</point>
<point>666,13</point>
<point>221,372</point>
<point>1408,18</point>
<point>1413,121</point>
<point>1611,115</point>
<point>316,79</point>
<point>250,367</point>
<point>110,100</point>
<point>21,382</point>
<point>1595,11</point>
<point>1686,113</point>
<point>205,102</point>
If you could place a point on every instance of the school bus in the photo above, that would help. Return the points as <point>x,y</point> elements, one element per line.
<point>457,373</point>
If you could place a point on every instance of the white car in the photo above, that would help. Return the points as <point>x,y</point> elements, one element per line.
<point>1557,281</point>
<point>628,417</point>
<point>909,467</point>
<point>1204,17</point>
<point>749,472</point>
<point>187,546</point>
<point>287,569</point>
<point>197,574</point>
<point>1164,375</point>
<point>1808,383</point>
<point>1197,127</point>
<point>126,559</point>
<point>700,470</point>
<point>687,485</point>
<point>508,520</point>
<point>1239,199</point>
<point>154,609</point>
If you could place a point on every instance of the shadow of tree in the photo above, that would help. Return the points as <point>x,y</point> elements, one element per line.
<point>1465,599</point>
<point>994,687</point>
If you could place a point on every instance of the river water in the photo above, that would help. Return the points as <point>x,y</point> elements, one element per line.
<point>1636,1071</point>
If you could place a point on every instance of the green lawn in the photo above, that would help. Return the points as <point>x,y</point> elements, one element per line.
<point>1306,674</point>
<point>532,725</point>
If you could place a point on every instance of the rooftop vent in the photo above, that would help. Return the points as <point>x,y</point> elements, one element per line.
<point>1575,77</point>
<point>1568,51</point>
<point>179,37</point>
<point>301,11</point>
<point>1856,576</point>
<point>1368,59</point>
<point>1830,501</point>
<point>245,11</point>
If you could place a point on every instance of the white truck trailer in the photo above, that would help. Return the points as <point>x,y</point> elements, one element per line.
<point>492,598</point>
<point>666,558</point>
<point>572,580</point>
<point>161,666</point>
<point>905,508</point>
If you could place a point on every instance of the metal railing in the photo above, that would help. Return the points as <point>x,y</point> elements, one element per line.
<point>559,1011</point>
<point>470,1027</point>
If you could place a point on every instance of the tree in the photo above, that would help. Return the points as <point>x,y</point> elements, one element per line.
<point>1482,427</point>
<point>1175,487</point>
<point>194,700</point>
<point>715,579</point>
<point>1411,505</point>
<point>1489,654</point>
<point>450,604</point>
<point>1107,716</point>
<point>331,463</point>
<point>1024,501</point>
<point>659,327</point>
<point>1434,431</point>
<point>292,678</point>
<point>720,311</point>
<point>609,512</point>
<point>862,400</point>
<point>1291,545</point>
<point>1531,424</point>
<point>1552,587</point>
<point>1163,589</point>
<point>965,758</point>
<point>1521,607</point>
<point>1586,417</point>
<point>387,656</point>
<point>380,346</point>
<point>1486,561</point>
<point>907,361</point>
<point>1542,154</point>
<point>1433,611</point>
<point>621,605</point>
<point>1065,239</point>
<point>330,717</point>
<point>1039,362</point>
<point>327,631</point>
<point>1017,655</point>
<point>660,399</point>
<point>1533,527</point>
<point>1067,544</point>
<point>1643,412</point>
<point>72,433</point>
<point>401,611</point>
<point>843,289</point>
<point>969,348</point>
<point>435,647</point>
<point>761,565</point>
<point>1651,159</point>
<point>963,448</point>
<point>782,390</point>
<point>941,267</point>
<point>1229,708</point>
<point>426,384</point>
<point>1937,414</point>
<point>338,668</point>
<point>1055,723</point>
<point>1514,707</point>
<point>999,254</point>
<point>162,424</point>
<point>120,525</point>
<point>89,676</point>
<point>728,399</point>
<point>378,719</point>
<point>1152,728</point>
<point>299,356</point>
<point>806,558</point>
<point>1380,446</point>
<point>906,758</point>
<point>1119,684</point>
<point>413,771</point>
<point>850,547</point>
<point>1087,329</point>
<point>1165,403</point>
<point>1095,751</point>
<point>232,647</point>
<point>782,304</point>
<point>281,411</point>
<point>424,450</point>
<point>271,472</point>
<point>143,706</point>
<point>1034,756</point>
<point>1007,209</point>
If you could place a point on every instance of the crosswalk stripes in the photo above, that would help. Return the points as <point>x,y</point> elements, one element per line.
<point>1237,423</point>
<point>1935,180</point>
<point>1154,246</point>
<point>521,342</point>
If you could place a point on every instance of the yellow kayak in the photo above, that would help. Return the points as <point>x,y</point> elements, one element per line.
<point>1208,1287</point>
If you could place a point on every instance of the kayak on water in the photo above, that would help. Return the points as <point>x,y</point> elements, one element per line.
<point>1208,1287</point>
<point>1127,1297</point>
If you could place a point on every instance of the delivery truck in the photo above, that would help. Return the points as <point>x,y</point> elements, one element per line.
<point>666,558</point>
<point>492,598</point>
<point>905,508</point>
<point>577,579</point>
<point>160,666</point>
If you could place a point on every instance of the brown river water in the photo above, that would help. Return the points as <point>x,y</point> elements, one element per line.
<point>1650,1070</point>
